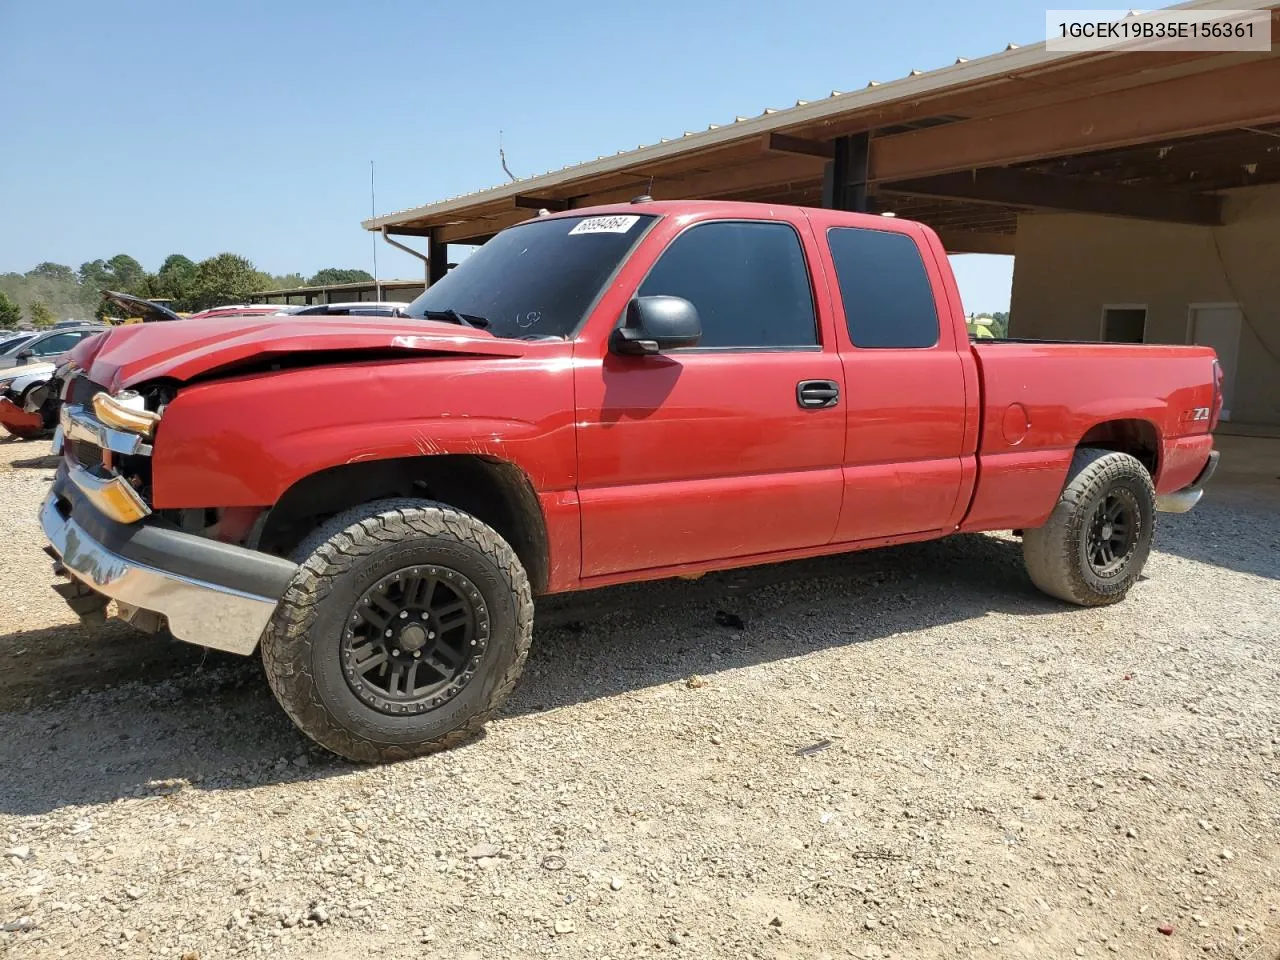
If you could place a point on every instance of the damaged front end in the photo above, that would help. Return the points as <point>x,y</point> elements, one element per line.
<point>108,541</point>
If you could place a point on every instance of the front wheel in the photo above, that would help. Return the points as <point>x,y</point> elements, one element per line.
<point>405,628</point>
<point>1095,543</point>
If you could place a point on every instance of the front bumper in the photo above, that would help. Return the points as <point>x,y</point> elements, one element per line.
<point>1180,501</point>
<point>18,422</point>
<point>212,594</point>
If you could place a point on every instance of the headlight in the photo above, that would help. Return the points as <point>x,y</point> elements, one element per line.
<point>125,411</point>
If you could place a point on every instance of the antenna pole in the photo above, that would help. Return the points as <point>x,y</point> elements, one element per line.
<point>373,212</point>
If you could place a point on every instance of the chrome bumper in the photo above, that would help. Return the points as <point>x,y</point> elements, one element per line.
<point>197,612</point>
<point>79,423</point>
<point>112,494</point>
<point>1180,501</point>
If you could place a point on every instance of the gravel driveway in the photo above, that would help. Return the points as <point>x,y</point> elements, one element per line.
<point>902,753</point>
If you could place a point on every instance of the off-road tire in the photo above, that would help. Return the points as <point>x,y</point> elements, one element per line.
<point>338,562</point>
<point>1056,554</point>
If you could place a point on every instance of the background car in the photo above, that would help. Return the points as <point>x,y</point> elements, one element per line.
<point>12,342</point>
<point>356,308</point>
<point>240,310</point>
<point>47,344</point>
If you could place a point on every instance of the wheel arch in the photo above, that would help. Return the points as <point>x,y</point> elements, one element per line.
<point>494,491</point>
<point>1138,437</point>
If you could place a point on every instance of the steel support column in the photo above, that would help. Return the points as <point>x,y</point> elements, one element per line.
<point>844,179</point>
<point>437,257</point>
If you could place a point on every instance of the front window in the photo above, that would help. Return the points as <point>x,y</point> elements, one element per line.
<point>747,279</point>
<point>538,279</point>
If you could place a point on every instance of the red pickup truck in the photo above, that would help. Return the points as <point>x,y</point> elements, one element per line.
<point>593,397</point>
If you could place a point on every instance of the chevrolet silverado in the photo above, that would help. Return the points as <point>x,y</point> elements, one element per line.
<point>596,396</point>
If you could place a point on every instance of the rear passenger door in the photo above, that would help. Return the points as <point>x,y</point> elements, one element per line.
<point>905,464</point>
<point>711,452</point>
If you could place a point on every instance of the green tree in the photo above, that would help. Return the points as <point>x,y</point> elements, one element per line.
<point>42,318</point>
<point>175,280</point>
<point>10,312</point>
<point>226,278</point>
<point>127,274</point>
<point>59,272</point>
<point>288,281</point>
<point>331,275</point>
<point>94,275</point>
<point>121,273</point>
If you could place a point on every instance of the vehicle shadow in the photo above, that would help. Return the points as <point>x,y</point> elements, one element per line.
<point>110,713</point>
<point>47,462</point>
<point>605,642</point>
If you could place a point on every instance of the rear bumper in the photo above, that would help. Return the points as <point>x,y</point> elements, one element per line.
<point>212,594</point>
<point>1180,501</point>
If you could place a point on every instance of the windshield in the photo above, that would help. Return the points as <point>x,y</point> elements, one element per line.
<point>534,280</point>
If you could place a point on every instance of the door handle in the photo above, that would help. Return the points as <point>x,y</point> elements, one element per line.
<point>817,394</point>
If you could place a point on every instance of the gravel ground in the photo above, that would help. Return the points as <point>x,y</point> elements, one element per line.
<point>903,753</point>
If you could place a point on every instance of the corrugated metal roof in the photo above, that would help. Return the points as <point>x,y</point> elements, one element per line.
<point>1012,60</point>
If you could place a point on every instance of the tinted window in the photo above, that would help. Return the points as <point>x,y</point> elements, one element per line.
<point>15,345</point>
<point>748,281</point>
<point>537,279</point>
<point>887,298</point>
<point>58,343</point>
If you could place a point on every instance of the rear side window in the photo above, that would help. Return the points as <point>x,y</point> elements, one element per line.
<point>56,344</point>
<point>747,279</point>
<point>887,298</point>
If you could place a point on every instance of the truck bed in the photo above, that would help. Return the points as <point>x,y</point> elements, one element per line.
<point>1160,395</point>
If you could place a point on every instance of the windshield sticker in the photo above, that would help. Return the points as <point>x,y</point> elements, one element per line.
<point>604,225</point>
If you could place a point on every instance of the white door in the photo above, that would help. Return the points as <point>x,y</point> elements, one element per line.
<point>1219,327</point>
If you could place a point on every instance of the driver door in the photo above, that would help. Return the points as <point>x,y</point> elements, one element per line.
<point>708,453</point>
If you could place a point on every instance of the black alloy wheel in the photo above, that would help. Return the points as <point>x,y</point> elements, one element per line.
<point>1113,532</point>
<point>414,639</point>
<point>1092,548</point>
<point>405,627</point>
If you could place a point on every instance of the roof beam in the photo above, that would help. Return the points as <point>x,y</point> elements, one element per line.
<point>765,173</point>
<point>541,203</point>
<point>405,231</point>
<point>1021,188</point>
<point>971,241</point>
<point>468,231</point>
<point>784,143</point>
<point>1240,96</point>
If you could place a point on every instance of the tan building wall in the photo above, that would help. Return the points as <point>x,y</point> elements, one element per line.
<point>1068,266</point>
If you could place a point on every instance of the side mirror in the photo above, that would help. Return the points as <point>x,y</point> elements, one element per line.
<point>654,324</point>
<point>25,355</point>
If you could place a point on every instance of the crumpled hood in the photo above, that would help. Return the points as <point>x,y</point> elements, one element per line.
<point>133,354</point>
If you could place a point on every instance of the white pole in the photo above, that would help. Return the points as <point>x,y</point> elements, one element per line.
<point>373,212</point>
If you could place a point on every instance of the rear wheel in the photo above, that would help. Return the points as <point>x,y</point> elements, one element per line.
<point>1095,543</point>
<point>405,628</point>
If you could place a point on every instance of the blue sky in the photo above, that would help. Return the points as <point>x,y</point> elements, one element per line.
<point>151,128</point>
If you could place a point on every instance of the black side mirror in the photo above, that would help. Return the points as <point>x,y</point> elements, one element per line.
<point>25,355</point>
<point>654,324</point>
